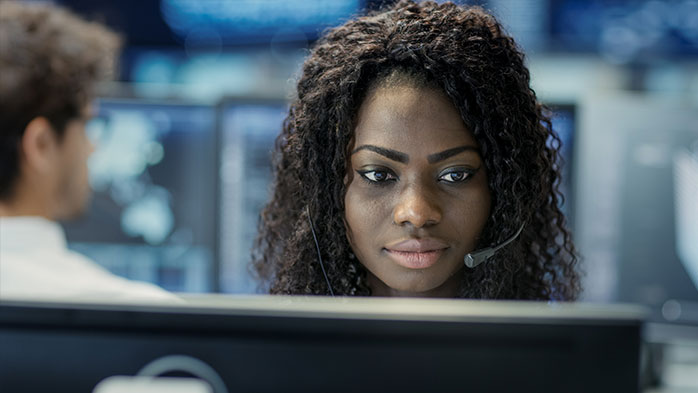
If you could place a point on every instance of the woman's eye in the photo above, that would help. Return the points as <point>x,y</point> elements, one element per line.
<point>377,176</point>
<point>455,176</point>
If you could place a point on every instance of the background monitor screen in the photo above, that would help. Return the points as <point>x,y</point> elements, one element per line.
<point>622,30</point>
<point>248,129</point>
<point>153,212</point>
<point>636,203</point>
<point>240,22</point>
<point>686,208</point>
<point>657,208</point>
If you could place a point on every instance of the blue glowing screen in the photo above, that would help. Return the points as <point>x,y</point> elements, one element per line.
<point>153,212</point>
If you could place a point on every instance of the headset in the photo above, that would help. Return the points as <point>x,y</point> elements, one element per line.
<point>471,259</point>
<point>475,258</point>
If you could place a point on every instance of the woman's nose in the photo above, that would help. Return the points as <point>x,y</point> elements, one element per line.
<point>417,207</point>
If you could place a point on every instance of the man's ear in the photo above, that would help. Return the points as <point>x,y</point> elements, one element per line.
<point>39,145</point>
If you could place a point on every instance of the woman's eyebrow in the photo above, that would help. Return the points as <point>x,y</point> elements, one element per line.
<point>389,153</point>
<point>404,158</point>
<point>436,157</point>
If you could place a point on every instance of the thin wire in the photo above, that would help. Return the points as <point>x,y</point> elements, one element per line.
<point>511,239</point>
<point>317,247</point>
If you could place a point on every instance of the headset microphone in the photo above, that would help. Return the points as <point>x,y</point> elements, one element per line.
<point>475,258</point>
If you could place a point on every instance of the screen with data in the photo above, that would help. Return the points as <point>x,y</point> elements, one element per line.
<point>248,129</point>
<point>154,176</point>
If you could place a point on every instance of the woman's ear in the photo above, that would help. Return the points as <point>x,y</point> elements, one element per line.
<point>39,146</point>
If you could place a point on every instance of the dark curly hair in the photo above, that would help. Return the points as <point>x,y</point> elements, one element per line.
<point>466,53</point>
<point>50,62</point>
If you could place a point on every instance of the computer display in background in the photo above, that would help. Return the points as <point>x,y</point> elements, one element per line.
<point>172,23</point>
<point>637,200</point>
<point>248,130</point>
<point>657,205</point>
<point>153,213</point>
<point>253,21</point>
<point>625,31</point>
<point>686,208</point>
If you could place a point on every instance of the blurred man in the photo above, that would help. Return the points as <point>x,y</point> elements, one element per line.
<point>50,62</point>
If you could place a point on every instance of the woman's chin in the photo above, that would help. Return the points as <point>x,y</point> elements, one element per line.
<point>414,288</point>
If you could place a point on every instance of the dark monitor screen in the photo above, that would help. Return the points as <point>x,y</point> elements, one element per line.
<point>280,344</point>
<point>154,176</point>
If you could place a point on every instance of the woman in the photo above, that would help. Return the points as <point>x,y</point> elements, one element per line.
<point>415,140</point>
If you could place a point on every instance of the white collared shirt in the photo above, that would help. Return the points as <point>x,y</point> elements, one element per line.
<point>36,264</point>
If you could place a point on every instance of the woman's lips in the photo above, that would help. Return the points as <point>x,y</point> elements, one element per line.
<point>416,253</point>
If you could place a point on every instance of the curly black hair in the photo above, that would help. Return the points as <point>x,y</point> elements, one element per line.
<point>466,53</point>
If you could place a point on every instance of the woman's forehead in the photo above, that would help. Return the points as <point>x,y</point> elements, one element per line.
<point>400,115</point>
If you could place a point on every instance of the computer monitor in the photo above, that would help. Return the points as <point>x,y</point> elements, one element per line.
<point>176,23</point>
<point>154,174</point>
<point>295,344</point>
<point>577,26</point>
<point>248,129</point>
<point>637,197</point>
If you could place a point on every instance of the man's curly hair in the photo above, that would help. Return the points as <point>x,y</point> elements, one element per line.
<point>465,53</point>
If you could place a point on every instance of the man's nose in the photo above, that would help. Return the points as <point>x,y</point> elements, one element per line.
<point>417,206</point>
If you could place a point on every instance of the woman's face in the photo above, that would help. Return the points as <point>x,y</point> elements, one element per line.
<point>417,193</point>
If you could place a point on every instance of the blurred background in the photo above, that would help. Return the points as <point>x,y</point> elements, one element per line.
<point>184,136</point>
